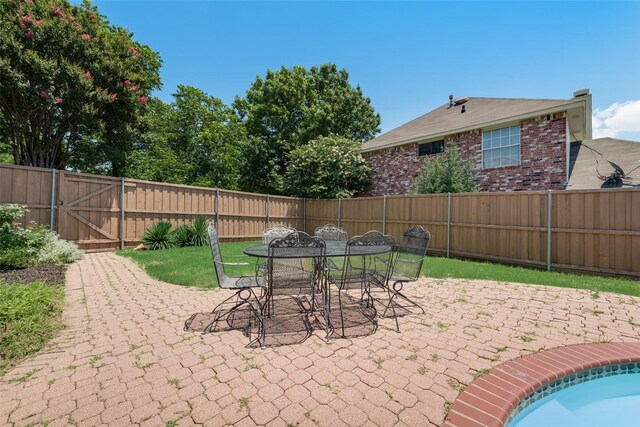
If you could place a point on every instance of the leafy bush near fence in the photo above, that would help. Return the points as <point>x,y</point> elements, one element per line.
<point>161,235</point>
<point>22,246</point>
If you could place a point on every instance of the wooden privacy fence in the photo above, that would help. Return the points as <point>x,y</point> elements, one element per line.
<point>595,231</point>
<point>104,213</point>
<point>589,231</point>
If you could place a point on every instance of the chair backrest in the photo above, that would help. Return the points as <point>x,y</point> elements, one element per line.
<point>411,252</point>
<point>214,243</point>
<point>358,261</point>
<point>332,233</point>
<point>276,232</point>
<point>293,260</point>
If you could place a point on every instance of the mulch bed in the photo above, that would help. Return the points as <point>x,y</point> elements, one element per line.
<point>47,273</point>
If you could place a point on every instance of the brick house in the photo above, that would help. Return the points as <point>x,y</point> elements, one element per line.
<point>516,144</point>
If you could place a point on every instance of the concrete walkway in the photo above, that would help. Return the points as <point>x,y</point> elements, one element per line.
<point>124,358</point>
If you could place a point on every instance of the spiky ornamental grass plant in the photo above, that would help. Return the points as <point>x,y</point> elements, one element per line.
<point>183,235</point>
<point>159,235</point>
<point>199,235</point>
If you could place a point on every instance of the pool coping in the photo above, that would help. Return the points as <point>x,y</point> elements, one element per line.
<point>489,399</point>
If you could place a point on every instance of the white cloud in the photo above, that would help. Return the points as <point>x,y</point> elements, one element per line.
<point>619,120</point>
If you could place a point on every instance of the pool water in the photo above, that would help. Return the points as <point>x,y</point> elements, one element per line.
<point>608,401</point>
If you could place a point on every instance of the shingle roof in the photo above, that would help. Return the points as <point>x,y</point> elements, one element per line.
<point>447,120</point>
<point>584,169</point>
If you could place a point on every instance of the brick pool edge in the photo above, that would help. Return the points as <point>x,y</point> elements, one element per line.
<point>489,399</point>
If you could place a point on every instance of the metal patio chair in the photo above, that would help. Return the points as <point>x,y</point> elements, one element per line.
<point>294,265</point>
<point>244,286</point>
<point>358,270</point>
<point>276,232</point>
<point>332,233</point>
<point>270,234</point>
<point>405,268</point>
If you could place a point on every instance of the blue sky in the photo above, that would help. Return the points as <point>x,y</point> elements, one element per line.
<point>408,57</point>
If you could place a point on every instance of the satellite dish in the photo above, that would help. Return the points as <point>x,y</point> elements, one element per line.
<point>617,168</point>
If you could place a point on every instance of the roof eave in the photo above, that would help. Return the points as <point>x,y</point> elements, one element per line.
<point>564,107</point>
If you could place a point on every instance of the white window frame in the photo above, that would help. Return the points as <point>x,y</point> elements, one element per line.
<point>503,126</point>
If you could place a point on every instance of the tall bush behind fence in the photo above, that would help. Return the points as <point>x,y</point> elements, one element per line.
<point>588,231</point>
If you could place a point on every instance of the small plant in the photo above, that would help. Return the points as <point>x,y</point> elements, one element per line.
<point>332,388</point>
<point>24,377</point>
<point>171,423</point>
<point>183,235</point>
<point>199,233</point>
<point>244,403</point>
<point>454,384</point>
<point>528,337</point>
<point>174,382</point>
<point>378,361</point>
<point>422,370</point>
<point>447,408</point>
<point>159,235</point>
<point>481,372</point>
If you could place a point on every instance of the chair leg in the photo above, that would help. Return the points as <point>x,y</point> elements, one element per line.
<point>220,314</point>
<point>341,315</point>
<point>406,298</point>
<point>390,304</point>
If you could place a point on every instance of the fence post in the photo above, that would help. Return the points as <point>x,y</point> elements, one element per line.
<point>448,225</point>
<point>122,212</point>
<point>384,214</point>
<point>339,211</point>
<point>218,210</point>
<point>304,214</point>
<point>53,198</point>
<point>266,212</point>
<point>549,208</point>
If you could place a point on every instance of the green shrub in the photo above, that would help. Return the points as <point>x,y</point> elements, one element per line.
<point>199,233</point>
<point>19,246</point>
<point>159,235</point>
<point>183,235</point>
<point>33,244</point>
<point>58,251</point>
<point>449,172</point>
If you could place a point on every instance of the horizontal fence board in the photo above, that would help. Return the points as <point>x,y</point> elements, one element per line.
<point>592,231</point>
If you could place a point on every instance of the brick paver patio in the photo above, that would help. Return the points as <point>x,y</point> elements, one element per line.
<point>125,359</point>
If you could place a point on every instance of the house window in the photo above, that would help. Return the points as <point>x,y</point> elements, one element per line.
<point>431,148</point>
<point>501,147</point>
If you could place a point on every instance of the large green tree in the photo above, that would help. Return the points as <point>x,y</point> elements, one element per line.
<point>72,85</point>
<point>326,167</point>
<point>448,172</point>
<point>194,140</point>
<point>290,107</point>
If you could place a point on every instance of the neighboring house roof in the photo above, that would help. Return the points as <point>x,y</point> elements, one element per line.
<point>588,159</point>
<point>479,112</point>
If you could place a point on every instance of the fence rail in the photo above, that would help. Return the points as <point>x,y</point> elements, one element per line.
<point>587,230</point>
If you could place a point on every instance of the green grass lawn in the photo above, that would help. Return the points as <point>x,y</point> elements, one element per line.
<point>29,317</point>
<point>193,266</point>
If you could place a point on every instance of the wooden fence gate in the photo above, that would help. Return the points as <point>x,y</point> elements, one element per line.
<point>90,210</point>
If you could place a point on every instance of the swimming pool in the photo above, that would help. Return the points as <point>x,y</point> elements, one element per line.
<point>604,396</point>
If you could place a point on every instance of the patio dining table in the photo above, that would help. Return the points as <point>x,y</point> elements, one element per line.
<point>333,249</point>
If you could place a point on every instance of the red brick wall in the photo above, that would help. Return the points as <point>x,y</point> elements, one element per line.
<point>543,160</point>
<point>393,170</point>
